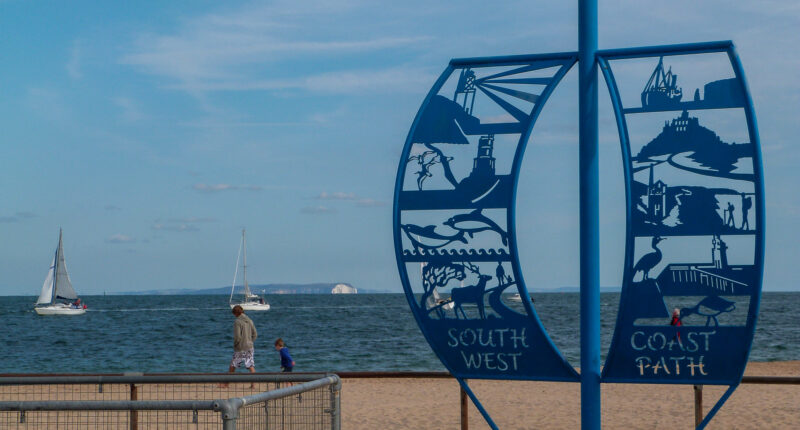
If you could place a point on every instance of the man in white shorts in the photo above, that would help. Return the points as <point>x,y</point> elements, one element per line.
<point>244,333</point>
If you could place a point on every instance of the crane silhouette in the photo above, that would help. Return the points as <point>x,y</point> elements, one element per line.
<point>649,260</point>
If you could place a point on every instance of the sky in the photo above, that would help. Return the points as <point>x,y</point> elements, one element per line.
<point>152,132</point>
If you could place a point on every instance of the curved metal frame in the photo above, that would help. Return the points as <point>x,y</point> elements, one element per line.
<point>565,61</point>
<point>730,377</point>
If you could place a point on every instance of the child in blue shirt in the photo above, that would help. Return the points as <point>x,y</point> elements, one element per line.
<point>287,364</point>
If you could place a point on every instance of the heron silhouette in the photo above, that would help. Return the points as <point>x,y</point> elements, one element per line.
<point>649,260</point>
<point>709,307</point>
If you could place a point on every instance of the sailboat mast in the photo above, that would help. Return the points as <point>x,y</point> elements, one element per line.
<point>55,268</point>
<point>244,267</point>
<point>236,270</point>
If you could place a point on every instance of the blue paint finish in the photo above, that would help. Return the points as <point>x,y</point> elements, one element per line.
<point>454,222</point>
<point>454,219</point>
<point>589,215</point>
<point>454,216</point>
<point>695,212</point>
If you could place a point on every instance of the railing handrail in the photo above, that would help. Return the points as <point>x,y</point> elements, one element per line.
<point>289,391</point>
<point>789,380</point>
<point>111,405</point>
<point>138,405</point>
<point>158,378</point>
<point>144,378</point>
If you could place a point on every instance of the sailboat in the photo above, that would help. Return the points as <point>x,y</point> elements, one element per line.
<point>57,292</point>
<point>516,297</point>
<point>251,302</point>
<point>436,299</point>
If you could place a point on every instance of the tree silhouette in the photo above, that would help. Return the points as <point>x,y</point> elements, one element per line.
<point>436,275</point>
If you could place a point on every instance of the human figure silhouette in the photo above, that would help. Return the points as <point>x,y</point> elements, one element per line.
<point>730,222</point>
<point>747,203</point>
<point>501,274</point>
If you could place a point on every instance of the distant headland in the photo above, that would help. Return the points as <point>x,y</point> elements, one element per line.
<point>317,288</point>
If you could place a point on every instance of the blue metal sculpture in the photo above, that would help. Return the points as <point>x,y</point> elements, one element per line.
<point>693,244</point>
<point>454,218</point>
<point>695,211</point>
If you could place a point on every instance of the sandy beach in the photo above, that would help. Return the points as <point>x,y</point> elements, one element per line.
<point>434,404</point>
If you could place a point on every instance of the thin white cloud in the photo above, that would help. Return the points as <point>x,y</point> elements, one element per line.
<point>181,228</point>
<point>120,238</point>
<point>369,203</point>
<point>336,196</point>
<point>230,51</point>
<point>499,119</point>
<point>49,104</point>
<point>352,197</point>
<point>318,210</point>
<point>19,216</point>
<point>230,124</point>
<point>74,63</point>
<point>192,219</point>
<point>129,109</point>
<point>213,188</point>
<point>398,79</point>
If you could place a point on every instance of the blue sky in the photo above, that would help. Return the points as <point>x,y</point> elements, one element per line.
<point>152,132</point>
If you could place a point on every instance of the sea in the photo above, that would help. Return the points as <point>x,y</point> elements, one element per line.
<point>326,333</point>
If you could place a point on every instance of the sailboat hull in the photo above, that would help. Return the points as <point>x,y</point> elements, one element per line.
<point>59,310</point>
<point>252,306</point>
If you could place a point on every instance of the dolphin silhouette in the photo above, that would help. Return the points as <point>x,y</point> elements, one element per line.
<point>414,232</point>
<point>475,222</point>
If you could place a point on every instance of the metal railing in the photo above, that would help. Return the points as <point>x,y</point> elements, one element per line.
<point>464,403</point>
<point>773,380</point>
<point>200,401</point>
<point>161,401</point>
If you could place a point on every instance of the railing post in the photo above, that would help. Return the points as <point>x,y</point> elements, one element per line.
<point>698,405</point>
<point>229,412</point>
<point>134,415</point>
<point>336,414</point>
<point>464,409</point>
<point>228,423</point>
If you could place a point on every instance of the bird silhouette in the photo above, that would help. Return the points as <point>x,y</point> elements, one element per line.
<point>649,260</point>
<point>709,307</point>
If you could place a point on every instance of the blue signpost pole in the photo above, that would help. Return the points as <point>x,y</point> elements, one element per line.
<point>589,214</point>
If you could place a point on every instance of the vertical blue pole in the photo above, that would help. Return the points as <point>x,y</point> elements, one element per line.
<point>589,235</point>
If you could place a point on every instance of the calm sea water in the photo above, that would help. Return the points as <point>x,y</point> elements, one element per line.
<point>323,332</point>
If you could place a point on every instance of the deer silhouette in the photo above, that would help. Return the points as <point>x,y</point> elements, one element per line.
<point>470,294</point>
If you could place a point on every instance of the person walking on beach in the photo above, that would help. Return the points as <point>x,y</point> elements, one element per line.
<point>244,333</point>
<point>287,364</point>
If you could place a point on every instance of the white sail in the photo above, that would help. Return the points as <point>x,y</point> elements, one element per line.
<point>57,288</point>
<point>63,285</point>
<point>47,288</point>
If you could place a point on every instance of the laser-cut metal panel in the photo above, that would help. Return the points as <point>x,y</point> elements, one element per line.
<point>454,218</point>
<point>695,244</point>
